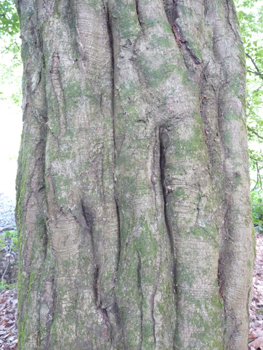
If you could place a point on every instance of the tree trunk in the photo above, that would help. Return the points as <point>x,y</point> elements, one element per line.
<point>133,188</point>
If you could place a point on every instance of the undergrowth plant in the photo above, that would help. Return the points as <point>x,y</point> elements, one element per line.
<point>9,243</point>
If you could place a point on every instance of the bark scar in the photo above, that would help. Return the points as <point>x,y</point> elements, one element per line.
<point>177,36</point>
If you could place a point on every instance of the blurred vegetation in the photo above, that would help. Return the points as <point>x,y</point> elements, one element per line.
<point>9,21</point>
<point>10,59</point>
<point>8,244</point>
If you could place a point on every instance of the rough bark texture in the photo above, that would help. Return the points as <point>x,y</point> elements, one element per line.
<point>133,189</point>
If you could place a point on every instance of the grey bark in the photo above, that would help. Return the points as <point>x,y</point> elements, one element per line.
<point>133,189</point>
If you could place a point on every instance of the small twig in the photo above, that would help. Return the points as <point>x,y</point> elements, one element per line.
<point>256,160</point>
<point>255,65</point>
<point>256,73</point>
<point>254,132</point>
<point>258,177</point>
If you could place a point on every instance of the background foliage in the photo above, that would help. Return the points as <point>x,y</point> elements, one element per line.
<point>9,22</point>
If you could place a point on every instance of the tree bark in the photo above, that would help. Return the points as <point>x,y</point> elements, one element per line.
<point>133,202</point>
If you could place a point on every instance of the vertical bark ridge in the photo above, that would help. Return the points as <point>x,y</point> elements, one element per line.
<point>214,81</point>
<point>209,104</point>
<point>35,266</point>
<point>77,245</point>
<point>238,226</point>
<point>190,216</point>
<point>138,191</point>
<point>191,195</point>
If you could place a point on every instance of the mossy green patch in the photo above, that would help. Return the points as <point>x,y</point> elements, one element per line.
<point>156,76</point>
<point>232,115</point>
<point>227,137</point>
<point>237,180</point>
<point>185,276</point>
<point>128,90</point>
<point>126,17</point>
<point>72,92</point>
<point>179,193</point>
<point>147,336</point>
<point>208,232</point>
<point>164,24</point>
<point>161,42</point>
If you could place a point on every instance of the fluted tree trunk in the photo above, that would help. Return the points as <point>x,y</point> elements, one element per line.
<point>133,189</point>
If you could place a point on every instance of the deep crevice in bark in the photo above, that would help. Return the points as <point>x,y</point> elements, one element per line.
<point>171,10</point>
<point>155,167</point>
<point>170,7</point>
<point>138,13</point>
<point>89,224</point>
<point>95,285</point>
<point>167,224</point>
<point>115,307</point>
<point>109,27</point>
<point>162,173</point>
<point>187,50</point>
<point>119,237</point>
<point>108,329</point>
<point>172,13</point>
<point>229,20</point>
